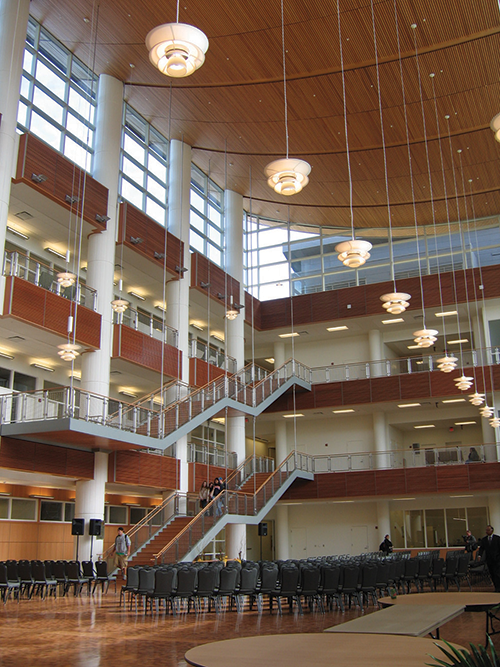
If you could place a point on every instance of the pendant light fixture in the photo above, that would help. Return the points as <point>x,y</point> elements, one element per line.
<point>486,411</point>
<point>447,364</point>
<point>464,382</point>
<point>355,252</point>
<point>287,176</point>
<point>495,126</point>
<point>476,399</point>
<point>177,49</point>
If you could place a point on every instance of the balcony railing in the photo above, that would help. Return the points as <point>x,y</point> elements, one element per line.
<point>212,355</point>
<point>210,454</point>
<point>21,266</point>
<point>148,324</point>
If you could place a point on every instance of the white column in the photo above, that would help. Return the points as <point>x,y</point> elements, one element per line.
<point>383,520</point>
<point>281,443</point>
<point>279,354</point>
<point>101,247</point>
<point>179,179</point>
<point>382,459</point>
<point>13,27</point>
<point>376,348</point>
<point>235,346</point>
<point>494,510</point>
<point>282,533</point>
<point>89,504</point>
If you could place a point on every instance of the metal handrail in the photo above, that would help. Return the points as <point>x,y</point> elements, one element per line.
<point>154,326</point>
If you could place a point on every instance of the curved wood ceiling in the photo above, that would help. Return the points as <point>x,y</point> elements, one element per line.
<point>232,109</point>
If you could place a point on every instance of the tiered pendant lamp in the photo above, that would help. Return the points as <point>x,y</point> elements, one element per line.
<point>395,302</point>
<point>447,364</point>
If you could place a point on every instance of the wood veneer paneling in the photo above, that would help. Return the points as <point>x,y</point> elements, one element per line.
<point>135,224</point>
<point>63,179</point>
<point>141,468</point>
<point>219,282</point>
<point>143,350</point>
<point>36,457</point>
<point>203,472</point>
<point>47,310</point>
<point>201,372</point>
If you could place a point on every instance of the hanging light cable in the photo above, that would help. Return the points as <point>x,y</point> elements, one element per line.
<point>177,49</point>
<point>287,176</point>
<point>355,252</point>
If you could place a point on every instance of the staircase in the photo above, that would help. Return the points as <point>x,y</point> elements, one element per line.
<point>146,554</point>
<point>254,482</point>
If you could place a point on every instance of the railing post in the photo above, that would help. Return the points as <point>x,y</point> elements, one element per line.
<point>408,365</point>
<point>134,419</point>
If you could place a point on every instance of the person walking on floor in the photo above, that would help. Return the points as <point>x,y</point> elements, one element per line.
<point>489,550</point>
<point>121,550</point>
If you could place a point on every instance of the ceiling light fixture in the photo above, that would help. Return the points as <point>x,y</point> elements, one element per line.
<point>397,320</point>
<point>353,253</point>
<point>486,411</point>
<point>12,230</point>
<point>130,394</point>
<point>464,423</point>
<point>66,278</point>
<point>495,422</point>
<point>120,305</point>
<point>4,355</point>
<point>297,414</point>
<point>454,400</point>
<point>55,252</point>
<point>495,126</point>
<point>289,335</point>
<point>477,399</point>
<point>177,49</point>
<point>395,302</point>
<point>458,341</point>
<point>409,405</point>
<point>426,426</point>
<point>342,328</point>
<point>42,367</point>
<point>447,313</point>
<point>68,351</point>
<point>342,412</point>
<point>425,337</point>
<point>447,364</point>
<point>137,296</point>
<point>464,382</point>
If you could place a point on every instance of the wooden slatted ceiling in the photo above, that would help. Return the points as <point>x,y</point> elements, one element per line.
<point>235,100</point>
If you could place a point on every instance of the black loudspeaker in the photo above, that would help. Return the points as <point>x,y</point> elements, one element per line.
<point>96,527</point>
<point>263,529</point>
<point>77,526</point>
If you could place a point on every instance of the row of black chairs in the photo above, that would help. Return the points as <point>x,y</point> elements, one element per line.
<point>36,577</point>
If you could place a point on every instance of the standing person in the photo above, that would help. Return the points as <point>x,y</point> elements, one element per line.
<point>489,548</point>
<point>121,550</point>
<point>215,492</point>
<point>470,542</point>
<point>473,455</point>
<point>203,495</point>
<point>386,545</point>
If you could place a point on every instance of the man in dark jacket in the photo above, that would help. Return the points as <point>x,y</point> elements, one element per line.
<point>489,550</point>
<point>386,545</point>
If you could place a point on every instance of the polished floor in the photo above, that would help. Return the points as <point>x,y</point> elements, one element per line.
<point>95,632</point>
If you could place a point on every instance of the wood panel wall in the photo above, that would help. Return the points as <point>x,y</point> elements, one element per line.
<point>482,477</point>
<point>62,179</point>
<point>36,457</point>
<point>149,238</point>
<point>219,282</point>
<point>201,372</point>
<point>203,472</point>
<point>47,310</point>
<point>364,300</point>
<point>143,350</point>
<point>144,469</point>
<point>379,390</point>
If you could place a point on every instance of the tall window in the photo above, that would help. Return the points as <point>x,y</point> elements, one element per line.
<point>143,175</point>
<point>206,217</point>
<point>58,97</point>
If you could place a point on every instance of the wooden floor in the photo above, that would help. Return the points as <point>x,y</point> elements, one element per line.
<point>95,632</point>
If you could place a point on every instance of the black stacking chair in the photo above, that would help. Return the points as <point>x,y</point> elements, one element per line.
<point>59,574</point>
<point>187,579</point>
<point>436,572</point>
<point>165,584</point>
<point>7,587</point>
<point>310,587</point>
<point>132,583</point>
<point>463,570</point>
<point>25,577</point>
<point>383,576</point>
<point>289,583</point>
<point>350,587</point>
<point>424,567</point>
<point>101,576</point>
<point>12,571</point>
<point>368,585</point>
<point>88,573</point>
<point>41,583</point>
<point>145,586</point>
<point>228,583</point>
<point>269,574</point>
<point>331,585</point>
<point>208,584</point>
<point>450,571</point>
<point>410,574</point>
<point>249,577</point>
<point>73,577</point>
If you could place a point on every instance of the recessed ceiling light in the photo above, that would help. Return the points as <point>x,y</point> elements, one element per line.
<point>12,230</point>
<point>289,335</point>
<point>458,340</point>
<point>270,360</point>
<point>414,347</point>
<point>298,414</point>
<point>447,313</point>
<point>124,392</point>
<point>409,405</point>
<point>403,498</point>
<point>469,495</point>
<point>56,253</point>
<point>393,321</point>
<point>426,426</point>
<point>195,325</point>
<point>4,355</point>
<point>464,423</point>
<point>38,495</point>
<point>342,412</point>
<point>137,296</point>
<point>43,368</point>
<point>454,400</point>
<point>218,337</point>
<point>343,328</point>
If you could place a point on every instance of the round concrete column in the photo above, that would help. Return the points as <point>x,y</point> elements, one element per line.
<point>382,459</point>
<point>282,533</point>
<point>101,247</point>
<point>14,16</point>
<point>89,504</point>
<point>279,354</point>
<point>179,180</point>
<point>494,510</point>
<point>281,443</point>
<point>383,520</point>
<point>376,347</point>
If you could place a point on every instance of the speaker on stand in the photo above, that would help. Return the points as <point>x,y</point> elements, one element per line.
<point>95,530</point>
<point>262,529</point>
<point>77,528</point>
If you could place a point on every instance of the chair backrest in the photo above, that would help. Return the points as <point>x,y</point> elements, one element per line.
<point>411,567</point>
<point>437,567</point>
<point>38,571</point>
<point>12,572</point>
<point>133,577</point>
<point>351,577</point>
<point>146,579</point>
<point>228,580</point>
<point>49,569</point>
<point>24,570</point>
<point>165,581</point>
<point>451,565</point>
<point>72,570</point>
<point>3,573</point>
<point>330,579</point>
<point>424,566</point>
<point>249,577</point>
<point>59,570</point>
<point>208,579</point>
<point>101,569</point>
<point>269,577</point>
<point>187,578</point>
<point>368,576</point>
<point>289,578</point>
<point>463,565</point>
<point>88,569</point>
<point>310,579</point>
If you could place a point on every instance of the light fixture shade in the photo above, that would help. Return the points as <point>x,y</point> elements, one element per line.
<point>68,351</point>
<point>495,422</point>
<point>395,302</point>
<point>486,411</point>
<point>447,364</point>
<point>66,279</point>
<point>119,305</point>
<point>231,314</point>
<point>464,382</point>
<point>287,176</point>
<point>177,49</point>
<point>476,399</point>
<point>425,337</point>
<point>353,253</point>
